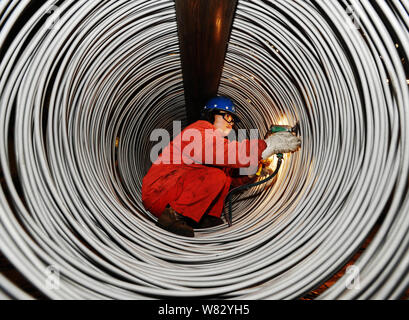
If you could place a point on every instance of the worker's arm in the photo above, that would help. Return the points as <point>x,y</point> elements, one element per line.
<point>207,146</point>
<point>232,154</point>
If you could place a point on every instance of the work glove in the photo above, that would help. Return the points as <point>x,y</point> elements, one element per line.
<point>280,142</point>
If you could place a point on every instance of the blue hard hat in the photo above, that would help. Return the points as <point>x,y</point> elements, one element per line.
<point>221,103</point>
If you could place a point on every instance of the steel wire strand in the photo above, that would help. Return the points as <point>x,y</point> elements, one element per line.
<point>388,164</point>
<point>106,75</point>
<point>379,255</point>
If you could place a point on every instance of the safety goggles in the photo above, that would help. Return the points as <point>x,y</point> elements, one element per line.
<point>227,117</point>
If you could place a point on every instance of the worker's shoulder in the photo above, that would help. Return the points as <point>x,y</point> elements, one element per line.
<point>200,124</point>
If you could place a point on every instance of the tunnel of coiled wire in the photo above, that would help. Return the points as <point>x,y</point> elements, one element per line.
<point>84,83</point>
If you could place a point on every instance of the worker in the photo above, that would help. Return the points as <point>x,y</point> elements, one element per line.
<point>186,190</point>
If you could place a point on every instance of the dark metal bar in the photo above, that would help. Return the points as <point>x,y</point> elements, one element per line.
<point>204,29</point>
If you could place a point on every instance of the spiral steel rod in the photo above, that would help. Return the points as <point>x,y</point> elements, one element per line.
<point>84,83</point>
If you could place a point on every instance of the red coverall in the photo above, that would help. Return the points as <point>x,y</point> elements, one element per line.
<point>193,189</point>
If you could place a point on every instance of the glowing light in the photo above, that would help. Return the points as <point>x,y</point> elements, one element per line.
<point>218,24</point>
<point>283,121</point>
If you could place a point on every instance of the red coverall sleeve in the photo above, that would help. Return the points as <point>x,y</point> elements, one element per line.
<point>231,154</point>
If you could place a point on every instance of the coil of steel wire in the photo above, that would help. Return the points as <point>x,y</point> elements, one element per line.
<point>84,83</point>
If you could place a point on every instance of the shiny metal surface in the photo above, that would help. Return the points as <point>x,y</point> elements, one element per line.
<point>82,86</point>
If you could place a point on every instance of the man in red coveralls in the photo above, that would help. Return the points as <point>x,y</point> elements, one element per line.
<point>187,184</point>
